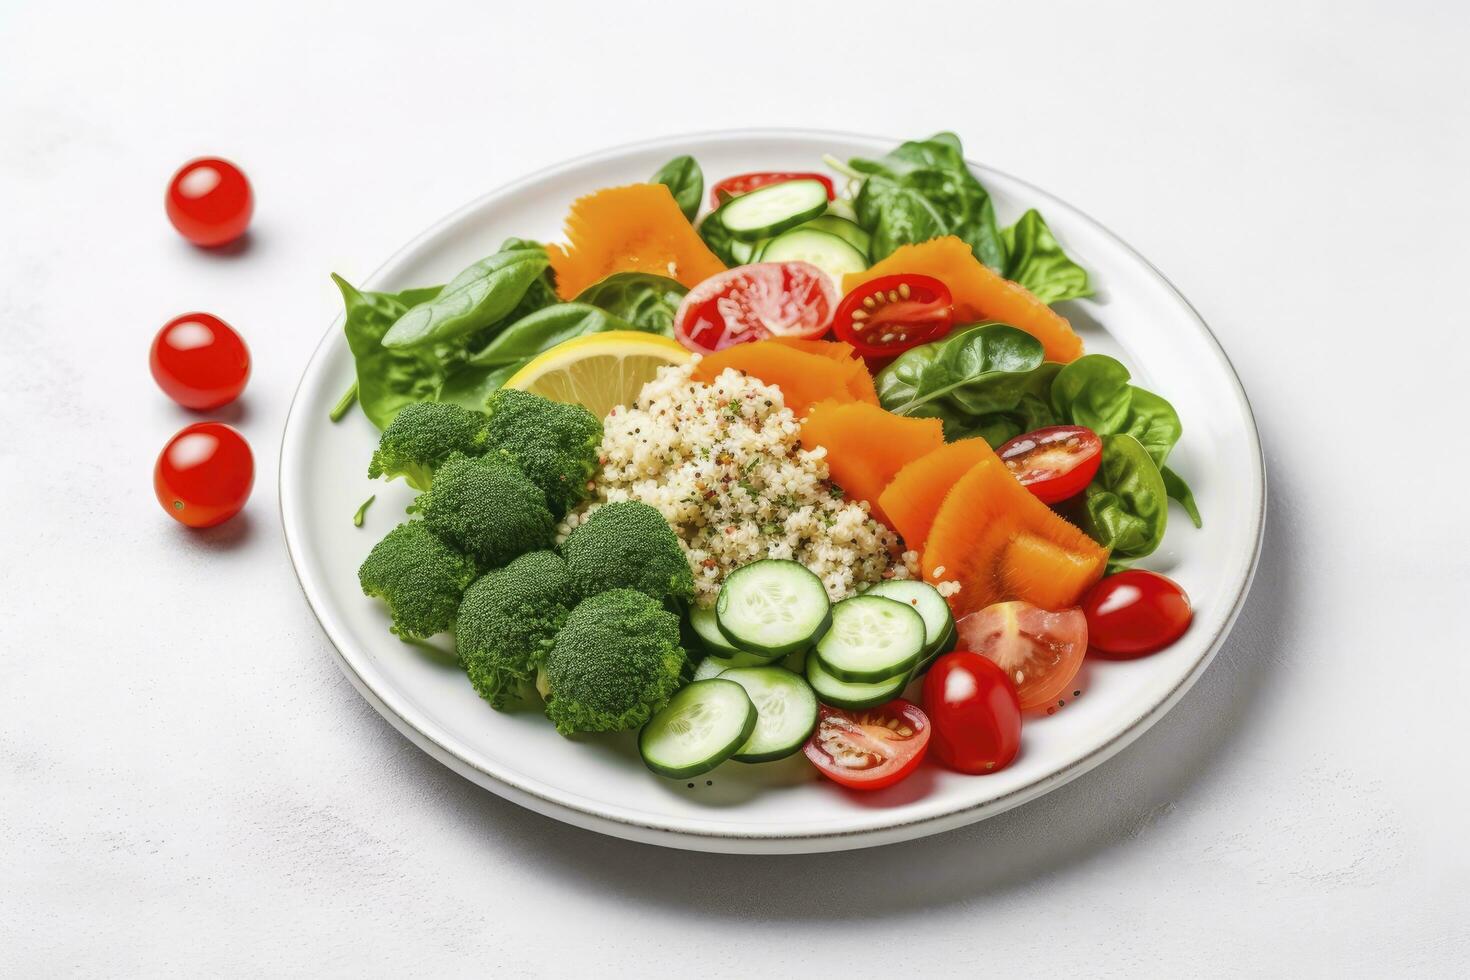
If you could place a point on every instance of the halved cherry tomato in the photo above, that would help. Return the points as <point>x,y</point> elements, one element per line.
<point>204,475</point>
<point>209,202</point>
<point>869,749</point>
<point>1056,462</point>
<point>977,719</point>
<point>745,183</point>
<point>199,361</point>
<point>890,314</point>
<point>1039,651</point>
<point>1136,612</point>
<point>753,302</point>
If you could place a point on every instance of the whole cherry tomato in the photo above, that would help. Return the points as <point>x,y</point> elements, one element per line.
<point>975,713</point>
<point>199,361</point>
<point>1135,612</point>
<point>209,202</point>
<point>204,474</point>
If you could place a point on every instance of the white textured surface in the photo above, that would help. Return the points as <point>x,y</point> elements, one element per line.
<point>188,785</point>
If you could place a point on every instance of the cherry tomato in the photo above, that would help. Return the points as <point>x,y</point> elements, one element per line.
<point>199,361</point>
<point>1135,612</point>
<point>890,314</point>
<point>204,474</point>
<point>1056,462</point>
<point>977,718</point>
<point>753,302</point>
<point>745,183</point>
<point>869,749</point>
<point>209,201</point>
<point>1039,651</point>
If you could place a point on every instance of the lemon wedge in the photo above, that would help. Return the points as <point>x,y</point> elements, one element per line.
<point>599,371</point>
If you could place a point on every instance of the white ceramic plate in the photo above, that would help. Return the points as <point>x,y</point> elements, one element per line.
<point>779,807</point>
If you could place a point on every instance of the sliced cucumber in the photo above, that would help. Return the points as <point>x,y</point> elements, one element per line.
<point>826,251</point>
<point>702,620</point>
<point>849,231</point>
<point>744,252</point>
<point>773,607</point>
<point>770,210</point>
<point>714,666</point>
<point>872,639</point>
<point>701,726</point>
<point>785,708</point>
<point>843,694</point>
<point>939,629</point>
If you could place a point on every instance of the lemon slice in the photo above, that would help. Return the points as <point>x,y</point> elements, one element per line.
<point>599,371</point>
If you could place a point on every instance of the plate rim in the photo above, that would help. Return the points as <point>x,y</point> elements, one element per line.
<point>756,840</point>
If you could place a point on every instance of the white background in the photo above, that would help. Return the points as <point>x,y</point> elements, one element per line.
<point>188,785</point>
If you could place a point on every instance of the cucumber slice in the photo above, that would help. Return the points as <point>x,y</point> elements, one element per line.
<point>701,726</point>
<point>872,639</point>
<point>770,210</point>
<point>714,666</point>
<point>785,708</point>
<point>939,629</point>
<point>842,694</point>
<point>744,253</point>
<point>773,607</point>
<point>826,251</point>
<point>849,231</point>
<point>704,623</point>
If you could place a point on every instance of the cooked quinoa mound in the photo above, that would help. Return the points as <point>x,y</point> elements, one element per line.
<point>723,463</point>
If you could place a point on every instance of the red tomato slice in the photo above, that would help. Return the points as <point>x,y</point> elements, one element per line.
<point>869,749</point>
<point>1136,612</point>
<point>1054,463</point>
<point>890,314</point>
<point>977,719</point>
<point>753,302</point>
<point>1039,651</point>
<point>745,183</point>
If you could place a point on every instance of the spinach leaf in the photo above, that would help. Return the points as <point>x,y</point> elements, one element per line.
<point>476,298</point>
<point>923,190</point>
<point>646,301</point>
<point>718,238</point>
<point>1178,490</point>
<point>685,181</point>
<point>387,379</point>
<point>1126,505</point>
<point>1033,411</point>
<point>964,379</point>
<point>526,338</point>
<point>1035,259</point>
<point>1094,391</point>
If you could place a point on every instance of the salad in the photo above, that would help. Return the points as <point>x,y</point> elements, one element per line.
<point>814,465</point>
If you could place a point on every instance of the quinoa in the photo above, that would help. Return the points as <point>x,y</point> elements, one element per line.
<point>723,463</point>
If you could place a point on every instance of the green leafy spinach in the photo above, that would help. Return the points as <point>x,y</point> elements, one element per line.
<point>646,301</point>
<point>478,297</point>
<point>685,181</point>
<point>1035,259</point>
<point>1126,505</point>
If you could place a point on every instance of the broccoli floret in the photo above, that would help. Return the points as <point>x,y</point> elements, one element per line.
<point>422,436</point>
<point>487,509</point>
<point>628,545</point>
<point>419,576</point>
<point>507,621</point>
<point>553,443</point>
<point>614,663</point>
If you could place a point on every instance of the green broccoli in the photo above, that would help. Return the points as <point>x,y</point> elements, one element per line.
<point>422,436</point>
<point>487,509</point>
<point>420,577</point>
<point>628,545</point>
<point>614,663</point>
<point>507,621</point>
<point>553,443</point>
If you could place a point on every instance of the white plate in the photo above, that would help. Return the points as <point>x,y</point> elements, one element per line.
<point>780,807</point>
